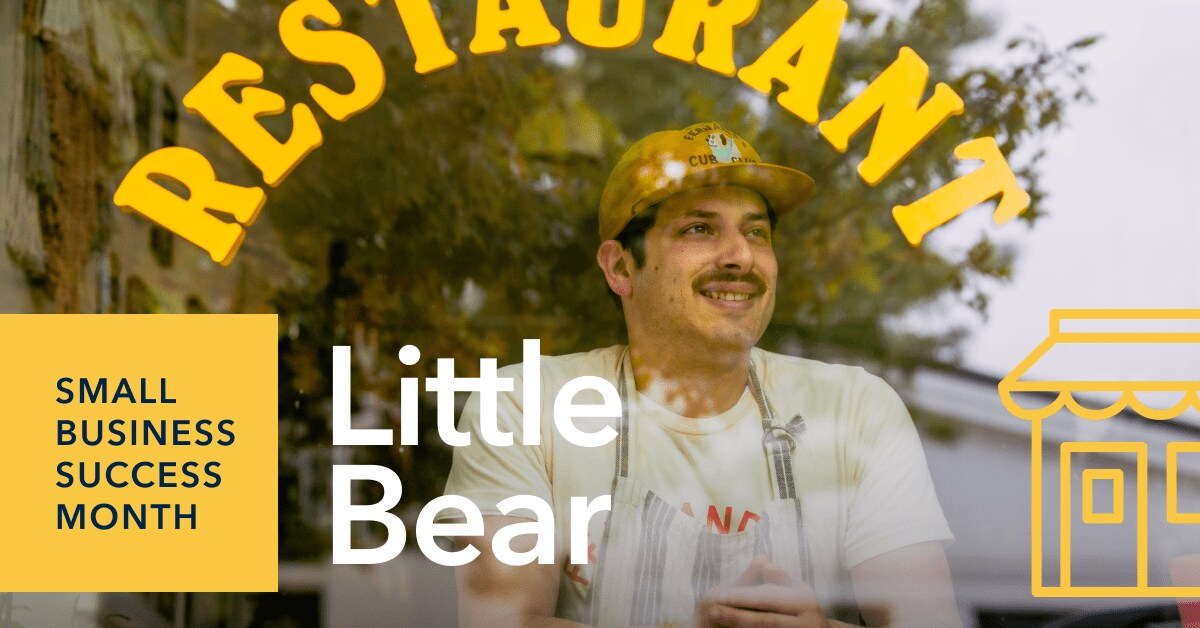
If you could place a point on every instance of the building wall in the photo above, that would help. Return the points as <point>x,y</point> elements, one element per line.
<point>93,86</point>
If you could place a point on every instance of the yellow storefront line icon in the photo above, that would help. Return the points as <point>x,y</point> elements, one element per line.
<point>1128,333</point>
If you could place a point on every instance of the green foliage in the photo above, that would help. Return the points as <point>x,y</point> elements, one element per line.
<point>459,213</point>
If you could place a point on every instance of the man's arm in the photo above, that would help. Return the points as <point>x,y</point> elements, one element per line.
<point>909,586</point>
<point>496,595</point>
<point>894,522</point>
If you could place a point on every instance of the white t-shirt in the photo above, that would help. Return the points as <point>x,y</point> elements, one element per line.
<point>860,473</point>
<point>701,466</point>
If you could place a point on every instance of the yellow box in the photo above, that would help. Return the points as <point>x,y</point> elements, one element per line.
<point>1173,451</point>
<point>1090,477</point>
<point>175,368</point>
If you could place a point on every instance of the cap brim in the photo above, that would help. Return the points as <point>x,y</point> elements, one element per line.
<point>784,188</point>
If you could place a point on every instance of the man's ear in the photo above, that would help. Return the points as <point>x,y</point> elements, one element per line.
<point>615,261</point>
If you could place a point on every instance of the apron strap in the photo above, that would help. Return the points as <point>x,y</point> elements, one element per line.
<point>622,470</point>
<point>779,440</point>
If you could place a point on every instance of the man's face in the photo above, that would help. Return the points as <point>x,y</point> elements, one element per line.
<point>710,271</point>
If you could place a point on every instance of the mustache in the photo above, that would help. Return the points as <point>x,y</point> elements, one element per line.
<point>752,278</point>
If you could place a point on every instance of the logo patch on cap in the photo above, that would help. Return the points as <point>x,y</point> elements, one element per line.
<point>724,148</point>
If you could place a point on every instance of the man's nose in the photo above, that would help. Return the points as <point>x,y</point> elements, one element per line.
<point>736,251</point>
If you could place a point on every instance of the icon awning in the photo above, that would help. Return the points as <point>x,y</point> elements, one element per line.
<point>1145,360</point>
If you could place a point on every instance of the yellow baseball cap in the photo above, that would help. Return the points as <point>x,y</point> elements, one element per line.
<point>667,162</point>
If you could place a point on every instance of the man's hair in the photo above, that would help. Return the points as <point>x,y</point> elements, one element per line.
<point>633,239</point>
<point>633,236</point>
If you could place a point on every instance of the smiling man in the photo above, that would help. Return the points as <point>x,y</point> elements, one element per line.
<point>748,488</point>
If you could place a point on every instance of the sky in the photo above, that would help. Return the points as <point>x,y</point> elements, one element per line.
<point>1122,225</point>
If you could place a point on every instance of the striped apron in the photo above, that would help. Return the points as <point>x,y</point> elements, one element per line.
<point>655,562</point>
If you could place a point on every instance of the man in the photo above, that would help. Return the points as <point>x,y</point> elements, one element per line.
<point>748,488</point>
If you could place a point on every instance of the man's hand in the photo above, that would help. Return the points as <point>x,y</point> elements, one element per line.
<point>909,587</point>
<point>764,595</point>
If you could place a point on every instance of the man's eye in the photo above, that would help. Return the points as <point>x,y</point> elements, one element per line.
<point>759,232</point>
<point>697,228</point>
